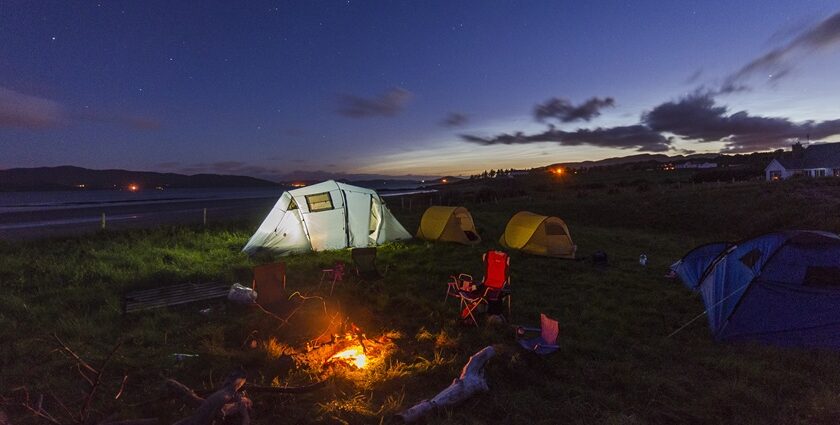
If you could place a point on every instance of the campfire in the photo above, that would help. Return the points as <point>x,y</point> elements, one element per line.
<point>354,355</point>
<point>352,351</point>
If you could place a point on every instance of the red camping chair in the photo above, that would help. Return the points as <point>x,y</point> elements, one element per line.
<point>495,287</point>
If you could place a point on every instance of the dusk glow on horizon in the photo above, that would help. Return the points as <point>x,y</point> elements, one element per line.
<point>314,90</point>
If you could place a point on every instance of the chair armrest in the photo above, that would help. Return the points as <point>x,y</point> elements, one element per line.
<point>555,346</point>
<point>520,330</point>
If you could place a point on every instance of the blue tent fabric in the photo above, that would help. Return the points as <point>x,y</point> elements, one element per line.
<point>690,269</point>
<point>780,288</point>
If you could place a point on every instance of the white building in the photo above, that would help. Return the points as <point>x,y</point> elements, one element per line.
<point>814,161</point>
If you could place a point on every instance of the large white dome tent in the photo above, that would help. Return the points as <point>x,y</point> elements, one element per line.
<point>323,216</point>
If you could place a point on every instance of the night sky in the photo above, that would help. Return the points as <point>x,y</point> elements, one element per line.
<point>339,89</point>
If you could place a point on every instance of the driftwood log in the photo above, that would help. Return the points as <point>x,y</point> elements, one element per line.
<point>470,382</point>
<point>227,399</point>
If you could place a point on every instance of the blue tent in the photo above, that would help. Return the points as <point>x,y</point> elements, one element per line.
<point>780,288</point>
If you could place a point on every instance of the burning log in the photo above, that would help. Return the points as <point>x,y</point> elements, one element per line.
<point>470,382</point>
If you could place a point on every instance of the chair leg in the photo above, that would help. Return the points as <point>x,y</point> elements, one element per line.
<point>469,310</point>
<point>470,307</point>
<point>333,284</point>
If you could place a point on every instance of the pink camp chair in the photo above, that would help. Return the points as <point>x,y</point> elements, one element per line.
<point>495,286</point>
<point>456,284</point>
<point>546,343</point>
<point>336,274</point>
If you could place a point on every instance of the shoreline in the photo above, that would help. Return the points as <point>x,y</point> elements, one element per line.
<point>29,225</point>
<point>78,219</point>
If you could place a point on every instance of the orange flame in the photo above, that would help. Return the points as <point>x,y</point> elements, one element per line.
<point>354,355</point>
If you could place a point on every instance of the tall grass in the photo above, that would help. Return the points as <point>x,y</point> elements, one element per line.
<point>615,365</point>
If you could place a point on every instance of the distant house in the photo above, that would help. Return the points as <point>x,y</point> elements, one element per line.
<point>814,161</point>
<point>697,165</point>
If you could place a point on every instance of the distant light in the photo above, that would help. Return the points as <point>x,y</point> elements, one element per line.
<point>298,184</point>
<point>443,180</point>
<point>80,185</point>
<point>558,171</point>
<point>133,187</point>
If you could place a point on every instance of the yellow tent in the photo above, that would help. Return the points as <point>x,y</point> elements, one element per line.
<point>450,224</point>
<point>539,235</point>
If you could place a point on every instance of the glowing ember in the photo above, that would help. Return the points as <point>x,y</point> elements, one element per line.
<point>354,355</point>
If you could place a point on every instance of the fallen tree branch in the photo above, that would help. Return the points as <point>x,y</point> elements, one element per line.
<point>188,396</point>
<point>287,390</point>
<point>75,356</point>
<point>84,411</point>
<point>122,387</point>
<point>470,382</point>
<point>212,405</point>
<point>241,405</point>
<point>149,421</point>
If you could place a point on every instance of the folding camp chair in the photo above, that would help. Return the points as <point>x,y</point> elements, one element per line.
<point>494,288</point>
<point>546,343</point>
<point>336,274</point>
<point>365,261</point>
<point>456,284</point>
<point>270,283</point>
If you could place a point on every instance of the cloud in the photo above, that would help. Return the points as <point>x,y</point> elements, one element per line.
<point>694,76</point>
<point>638,137</point>
<point>564,111</point>
<point>455,119</point>
<point>18,110</point>
<point>387,104</point>
<point>136,122</point>
<point>780,61</point>
<point>697,117</point>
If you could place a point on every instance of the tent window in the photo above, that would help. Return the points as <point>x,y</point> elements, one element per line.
<point>749,259</point>
<point>292,205</point>
<point>319,202</point>
<point>822,277</point>
<point>554,229</point>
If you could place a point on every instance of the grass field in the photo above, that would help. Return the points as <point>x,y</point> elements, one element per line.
<point>615,365</point>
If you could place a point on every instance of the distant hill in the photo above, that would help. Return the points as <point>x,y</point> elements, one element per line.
<point>77,178</point>
<point>385,184</point>
<point>644,157</point>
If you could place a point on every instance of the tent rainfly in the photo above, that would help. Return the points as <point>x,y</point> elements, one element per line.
<point>780,288</point>
<point>327,215</point>
<point>539,235</point>
<point>448,224</point>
